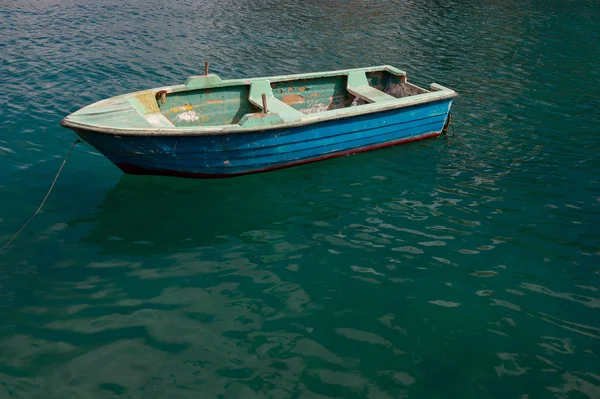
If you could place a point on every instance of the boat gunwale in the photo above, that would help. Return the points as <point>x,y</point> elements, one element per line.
<point>438,93</point>
<point>296,76</point>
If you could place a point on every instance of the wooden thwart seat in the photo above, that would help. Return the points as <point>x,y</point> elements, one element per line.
<point>285,112</point>
<point>358,85</point>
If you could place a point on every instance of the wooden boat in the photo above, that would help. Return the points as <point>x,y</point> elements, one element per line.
<point>211,128</point>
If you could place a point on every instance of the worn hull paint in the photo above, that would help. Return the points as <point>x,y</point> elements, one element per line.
<point>136,170</point>
<point>229,155</point>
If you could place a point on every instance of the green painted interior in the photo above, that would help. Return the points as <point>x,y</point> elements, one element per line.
<point>289,99</point>
<point>314,95</point>
<point>359,86</point>
<point>208,107</point>
<point>261,87</point>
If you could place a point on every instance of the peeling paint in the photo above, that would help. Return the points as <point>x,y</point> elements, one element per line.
<point>400,90</point>
<point>189,116</point>
<point>215,106</point>
<point>148,101</point>
<point>183,108</point>
<point>290,99</point>
<point>316,109</point>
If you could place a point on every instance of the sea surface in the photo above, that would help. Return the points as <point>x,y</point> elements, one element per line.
<point>461,267</point>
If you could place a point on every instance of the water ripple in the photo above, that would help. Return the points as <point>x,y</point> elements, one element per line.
<point>462,267</point>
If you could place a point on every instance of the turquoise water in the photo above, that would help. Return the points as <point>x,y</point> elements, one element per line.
<point>462,267</point>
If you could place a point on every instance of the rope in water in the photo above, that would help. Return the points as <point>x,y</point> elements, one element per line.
<point>45,198</point>
<point>450,125</point>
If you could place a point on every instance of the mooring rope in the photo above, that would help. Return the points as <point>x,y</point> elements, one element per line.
<point>45,198</point>
<point>449,126</point>
<point>450,138</point>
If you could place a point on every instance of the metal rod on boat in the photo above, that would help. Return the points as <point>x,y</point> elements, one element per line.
<point>205,68</point>
<point>264,99</point>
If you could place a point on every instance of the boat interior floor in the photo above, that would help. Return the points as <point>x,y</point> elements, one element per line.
<point>286,100</point>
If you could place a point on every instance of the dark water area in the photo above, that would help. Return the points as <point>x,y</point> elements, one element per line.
<point>459,267</point>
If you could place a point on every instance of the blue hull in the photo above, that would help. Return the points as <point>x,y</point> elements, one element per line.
<point>234,154</point>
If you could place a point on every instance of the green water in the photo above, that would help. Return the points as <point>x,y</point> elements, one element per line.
<point>465,267</point>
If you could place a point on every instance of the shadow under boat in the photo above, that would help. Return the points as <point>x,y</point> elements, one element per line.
<point>153,215</point>
<point>148,215</point>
